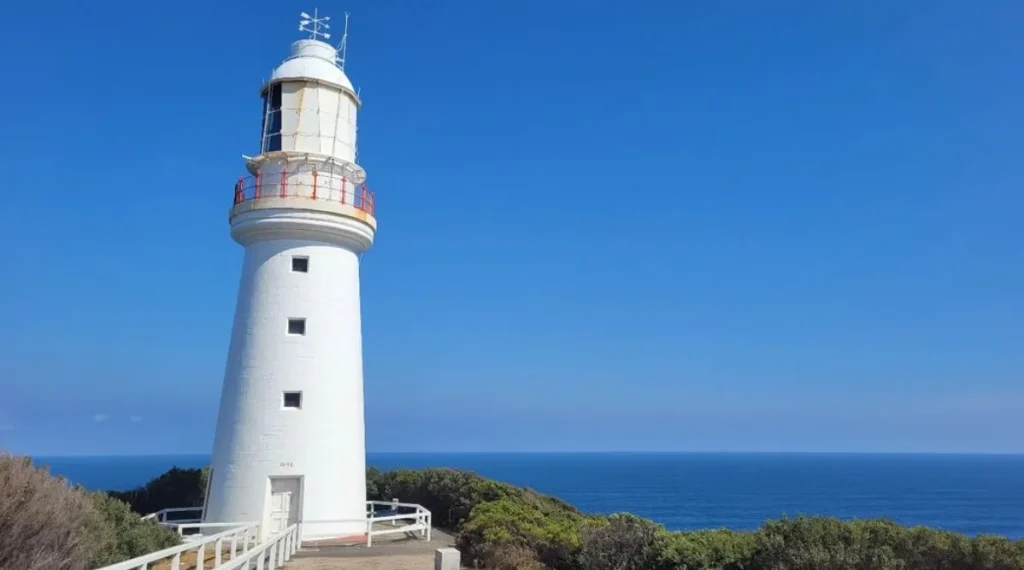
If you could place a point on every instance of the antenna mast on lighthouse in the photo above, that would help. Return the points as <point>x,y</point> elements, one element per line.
<point>343,46</point>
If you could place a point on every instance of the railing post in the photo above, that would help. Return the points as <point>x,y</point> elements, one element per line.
<point>234,545</point>
<point>314,184</point>
<point>369,533</point>
<point>281,548</point>
<point>394,502</point>
<point>259,560</point>
<point>217,555</point>
<point>176,562</point>
<point>272,559</point>
<point>284,184</point>
<point>240,191</point>
<point>200,556</point>
<point>259,184</point>
<point>344,182</point>
<point>363,198</point>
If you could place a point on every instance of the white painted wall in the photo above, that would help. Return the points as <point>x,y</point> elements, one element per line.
<point>318,118</point>
<point>324,442</point>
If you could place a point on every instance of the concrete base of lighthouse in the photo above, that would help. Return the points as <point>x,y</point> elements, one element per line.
<point>290,442</point>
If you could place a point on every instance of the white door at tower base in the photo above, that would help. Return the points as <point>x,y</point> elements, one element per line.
<point>283,509</point>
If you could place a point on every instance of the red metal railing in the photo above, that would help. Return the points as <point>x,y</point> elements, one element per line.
<point>305,185</point>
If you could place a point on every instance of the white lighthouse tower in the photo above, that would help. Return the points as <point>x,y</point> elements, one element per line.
<point>290,442</point>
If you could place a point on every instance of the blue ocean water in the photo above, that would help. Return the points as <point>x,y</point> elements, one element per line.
<point>964,493</point>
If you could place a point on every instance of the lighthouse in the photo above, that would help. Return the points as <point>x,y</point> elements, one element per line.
<point>290,444</point>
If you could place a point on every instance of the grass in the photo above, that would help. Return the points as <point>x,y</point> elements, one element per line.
<point>190,559</point>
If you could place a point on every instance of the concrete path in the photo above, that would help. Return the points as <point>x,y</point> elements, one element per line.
<point>389,552</point>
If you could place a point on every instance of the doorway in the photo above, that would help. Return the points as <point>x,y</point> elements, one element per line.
<point>284,505</point>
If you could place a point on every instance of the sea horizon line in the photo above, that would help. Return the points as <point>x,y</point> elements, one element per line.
<point>562,452</point>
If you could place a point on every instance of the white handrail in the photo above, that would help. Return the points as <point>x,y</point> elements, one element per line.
<point>274,551</point>
<point>246,533</point>
<point>161,515</point>
<point>284,544</point>
<point>394,504</point>
<point>205,525</point>
<point>422,524</point>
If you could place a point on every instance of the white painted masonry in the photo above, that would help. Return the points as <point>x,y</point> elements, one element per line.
<point>322,443</point>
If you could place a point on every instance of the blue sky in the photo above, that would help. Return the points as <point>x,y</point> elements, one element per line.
<point>603,225</point>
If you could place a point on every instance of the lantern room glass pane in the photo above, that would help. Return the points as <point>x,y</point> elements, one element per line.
<point>272,118</point>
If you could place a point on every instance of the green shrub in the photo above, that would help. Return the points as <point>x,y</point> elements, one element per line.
<point>373,484</point>
<point>936,550</point>
<point>996,553</point>
<point>124,535</point>
<point>175,488</point>
<point>508,557</point>
<point>554,536</point>
<point>449,494</point>
<point>830,544</point>
<point>627,542</point>
<point>808,544</point>
<point>707,550</point>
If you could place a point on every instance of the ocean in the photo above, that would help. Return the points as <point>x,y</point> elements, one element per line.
<point>971,494</point>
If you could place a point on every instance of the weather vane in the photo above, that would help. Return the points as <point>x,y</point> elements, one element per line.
<point>315,25</point>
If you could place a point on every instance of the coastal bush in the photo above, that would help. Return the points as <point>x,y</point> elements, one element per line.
<point>831,544</point>
<point>824,544</point>
<point>996,553</point>
<point>517,528</point>
<point>373,480</point>
<point>707,549</point>
<point>45,523</point>
<point>450,494</point>
<point>627,542</point>
<point>503,527</point>
<point>508,557</point>
<point>124,535</point>
<point>554,536</point>
<point>175,488</point>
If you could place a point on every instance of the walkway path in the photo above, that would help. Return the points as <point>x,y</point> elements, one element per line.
<point>388,553</point>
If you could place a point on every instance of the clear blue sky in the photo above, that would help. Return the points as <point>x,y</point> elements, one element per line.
<point>603,225</point>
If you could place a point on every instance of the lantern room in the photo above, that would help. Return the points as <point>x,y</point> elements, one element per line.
<point>309,105</point>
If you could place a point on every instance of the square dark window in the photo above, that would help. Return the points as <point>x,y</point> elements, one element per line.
<point>293,399</point>
<point>300,264</point>
<point>296,326</point>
